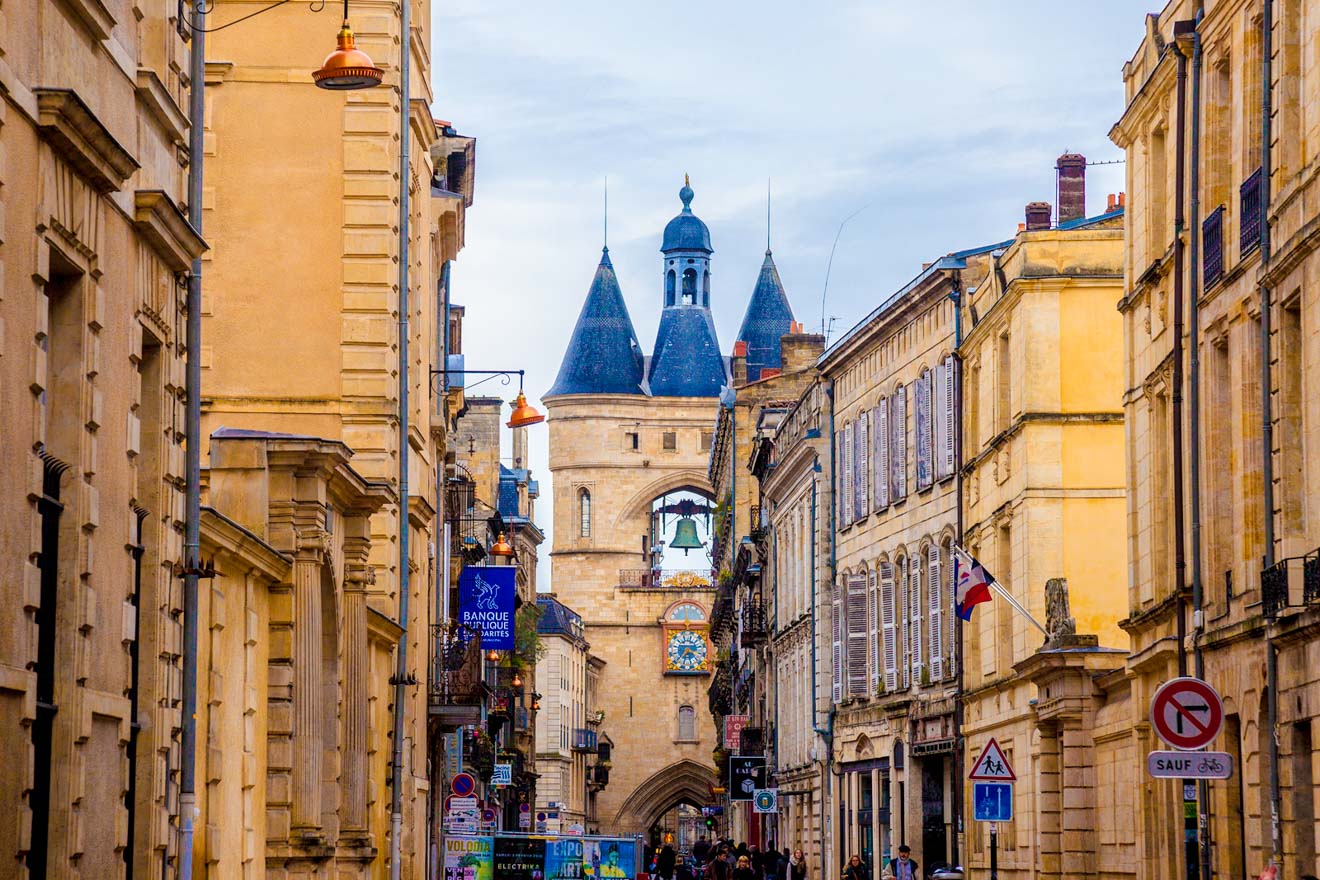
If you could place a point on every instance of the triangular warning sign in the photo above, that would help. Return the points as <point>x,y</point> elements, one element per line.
<point>992,766</point>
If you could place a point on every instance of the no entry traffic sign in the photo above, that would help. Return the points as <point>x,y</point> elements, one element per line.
<point>1187,713</point>
<point>463,784</point>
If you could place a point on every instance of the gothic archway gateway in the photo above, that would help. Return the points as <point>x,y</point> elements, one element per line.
<point>681,782</point>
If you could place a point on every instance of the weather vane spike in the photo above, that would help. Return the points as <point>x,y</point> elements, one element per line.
<point>607,212</point>
<point>686,182</point>
<point>767,214</point>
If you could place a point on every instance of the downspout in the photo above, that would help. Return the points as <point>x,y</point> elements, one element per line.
<point>1267,426</point>
<point>833,572</point>
<point>955,294</point>
<point>1194,420</point>
<point>192,542</point>
<point>405,442</point>
<point>1179,524</point>
<point>134,699</point>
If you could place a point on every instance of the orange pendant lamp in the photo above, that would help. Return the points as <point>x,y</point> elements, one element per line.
<point>524,413</point>
<point>348,67</point>
<point>501,547</point>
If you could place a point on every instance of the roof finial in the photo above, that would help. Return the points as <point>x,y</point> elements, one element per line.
<point>686,182</point>
<point>607,214</point>
<point>767,215</point>
<point>685,195</point>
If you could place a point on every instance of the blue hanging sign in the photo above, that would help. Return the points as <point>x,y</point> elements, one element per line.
<point>485,603</point>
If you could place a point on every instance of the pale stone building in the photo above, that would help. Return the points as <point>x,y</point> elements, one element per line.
<point>792,466</point>
<point>1043,441</point>
<point>93,161</point>
<point>889,386</point>
<point>1227,585</point>
<point>567,729</point>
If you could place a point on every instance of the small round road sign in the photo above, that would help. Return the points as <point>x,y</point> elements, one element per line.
<point>463,784</point>
<point>1187,713</point>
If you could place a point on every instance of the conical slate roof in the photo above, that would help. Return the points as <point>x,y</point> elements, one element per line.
<point>603,356</point>
<point>686,361</point>
<point>768,317</point>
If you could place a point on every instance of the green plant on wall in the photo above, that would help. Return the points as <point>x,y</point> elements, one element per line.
<point>527,645</point>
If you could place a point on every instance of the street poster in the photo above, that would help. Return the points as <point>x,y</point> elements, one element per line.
<point>746,775</point>
<point>563,858</point>
<point>608,859</point>
<point>519,858</point>
<point>469,858</point>
<point>485,603</point>
<point>733,725</point>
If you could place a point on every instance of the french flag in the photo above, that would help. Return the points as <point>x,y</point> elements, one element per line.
<point>973,584</point>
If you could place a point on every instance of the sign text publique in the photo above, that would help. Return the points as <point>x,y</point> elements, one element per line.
<point>485,603</point>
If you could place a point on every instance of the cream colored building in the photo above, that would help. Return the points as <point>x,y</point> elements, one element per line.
<point>567,728</point>
<point>93,135</point>
<point>793,471</point>
<point>1043,435</point>
<point>890,384</point>
<point>1250,556</point>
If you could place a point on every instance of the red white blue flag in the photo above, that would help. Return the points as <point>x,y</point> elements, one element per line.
<point>973,583</point>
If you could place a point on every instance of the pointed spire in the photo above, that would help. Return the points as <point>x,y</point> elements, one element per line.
<point>603,355</point>
<point>769,316</point>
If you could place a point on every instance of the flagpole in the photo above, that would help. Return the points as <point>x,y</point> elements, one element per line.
<point>999,588</point>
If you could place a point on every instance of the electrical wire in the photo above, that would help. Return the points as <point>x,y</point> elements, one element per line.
<point>314,6</point>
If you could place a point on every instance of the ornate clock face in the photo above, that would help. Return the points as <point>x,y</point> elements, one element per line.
<point>687,651</point>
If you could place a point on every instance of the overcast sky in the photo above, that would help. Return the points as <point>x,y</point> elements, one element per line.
<point>938,120</point>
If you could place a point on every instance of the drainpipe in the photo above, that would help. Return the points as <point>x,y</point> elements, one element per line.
<point>192,541</point>
<point>401,652</point>
<point>955,294</point>
<point>1194,419</point>
<point>1179,221</point>
<point>1267,426</point>
<point>833,573</point>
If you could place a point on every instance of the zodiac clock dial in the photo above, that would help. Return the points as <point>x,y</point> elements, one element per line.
<point>687,652</point>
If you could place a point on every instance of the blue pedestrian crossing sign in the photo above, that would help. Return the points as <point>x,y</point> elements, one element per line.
<point>992,801</point>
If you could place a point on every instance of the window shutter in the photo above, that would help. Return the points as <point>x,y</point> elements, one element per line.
<point>863,465</point>
<point>914,612</point>
<point>935,588</point>
<point>857,635</point>
<point>890,646</point>
<point>848,474</point>
<point>901,622</point>
<point>939,388</point>
<point>898,445</point>
<point>921,393</point>
<point>880,428</point>
<point>950,416</point>
<point>836,623</point>
<point>838,478</point>
<point>873,640</point>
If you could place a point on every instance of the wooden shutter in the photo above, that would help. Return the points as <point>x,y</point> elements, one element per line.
<point>873,638</point>
<point>836,654</point>
<point>898,445</point>
<point>863,465</point>
<point>939,388</point>
<point>921,404</point>
<point>857,635</point>
<point>950,415</point>
<point>914,613</point>
<point>901,622</point>
<point>880,429</point>
<point>848,474</point>
<point>889,646</point>
<point>935,588</point>
<point>838,478</point>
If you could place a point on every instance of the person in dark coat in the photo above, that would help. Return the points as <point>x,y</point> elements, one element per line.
<point>856,869</point>
<point>701,850</point>
<point>797,865</point>
<point>664,863</point>
<point>903,867</point>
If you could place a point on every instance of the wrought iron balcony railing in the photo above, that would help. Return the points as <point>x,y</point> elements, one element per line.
<point>1212,246</point>
<point>1289,583</point>
<point>1249,213</point>
<point>665,578</point>
<point>584,740</point>
<point>755,622</point>
<point>455,674</point>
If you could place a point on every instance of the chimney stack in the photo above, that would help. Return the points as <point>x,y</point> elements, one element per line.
<point>1038,216</point>
<point>1072,186</point>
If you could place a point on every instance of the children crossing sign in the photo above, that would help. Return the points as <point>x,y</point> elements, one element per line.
<point>992,765</point>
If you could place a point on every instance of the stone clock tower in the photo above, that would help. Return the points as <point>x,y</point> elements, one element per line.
<point>629,448</point>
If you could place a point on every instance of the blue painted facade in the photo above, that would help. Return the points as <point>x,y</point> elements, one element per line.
<point>768,318</point>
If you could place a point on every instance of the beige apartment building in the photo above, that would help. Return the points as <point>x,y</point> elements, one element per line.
<point>96,244</point>
<point>890,383</point>
<point>1238,93</point>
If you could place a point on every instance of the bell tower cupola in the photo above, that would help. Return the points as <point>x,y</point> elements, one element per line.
<point>687,251</point>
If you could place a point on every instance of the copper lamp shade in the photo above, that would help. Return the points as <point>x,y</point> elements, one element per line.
<point>348,67</point>
<point>501,547</point>
<point>524,413</point>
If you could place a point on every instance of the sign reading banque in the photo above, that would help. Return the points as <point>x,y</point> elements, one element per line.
<point>485,603</point>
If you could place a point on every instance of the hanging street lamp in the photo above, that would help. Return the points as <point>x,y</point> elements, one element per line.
<point>348,67</point>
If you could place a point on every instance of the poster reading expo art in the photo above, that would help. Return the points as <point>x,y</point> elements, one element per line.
<point>469,858</point>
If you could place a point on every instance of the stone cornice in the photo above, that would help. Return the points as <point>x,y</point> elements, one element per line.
<point>75,133</point>
<point>156,98</point>
<point>223,535</point>
<point>166,229</point>
<point>382,629</point>
<point>93,16</point>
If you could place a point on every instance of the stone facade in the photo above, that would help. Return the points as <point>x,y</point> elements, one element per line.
<point>1249,289</point>
<point>567,726</point>
<point>93,161</point>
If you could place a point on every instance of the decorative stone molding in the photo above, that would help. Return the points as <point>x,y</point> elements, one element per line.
<point>166,229</point>
<point>93,15</point>
<point>156,98</point>
<point>73,130</point>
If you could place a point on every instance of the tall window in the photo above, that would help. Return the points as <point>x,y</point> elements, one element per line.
<point>671,279</point>
<point>1003,383</point>
<point>1290,409</point>
<point>584,511</point>
<point>922,389</point>
<point>689,287</point>
<point>687,723</point>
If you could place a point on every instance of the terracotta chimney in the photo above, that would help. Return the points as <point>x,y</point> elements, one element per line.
<point>1038,216</point>
<point>1072,186</point>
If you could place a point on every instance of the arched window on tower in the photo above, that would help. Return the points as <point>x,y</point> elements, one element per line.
<point>689,287</point>
<point>687,723</point>
<point>705,288</point>
<point>584,509</point>
<point>670,280</point>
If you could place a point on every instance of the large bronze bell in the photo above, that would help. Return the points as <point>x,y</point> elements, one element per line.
<point>685,535</point>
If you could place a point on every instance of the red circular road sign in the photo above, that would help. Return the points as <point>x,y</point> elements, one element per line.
<point>463,784</point>
<point>1187,713</point>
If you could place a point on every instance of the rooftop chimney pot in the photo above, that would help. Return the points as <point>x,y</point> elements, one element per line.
<point>1071,168</point>
<point>1038,216</point>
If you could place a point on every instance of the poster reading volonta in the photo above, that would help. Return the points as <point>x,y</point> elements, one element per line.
<point>469,858</point>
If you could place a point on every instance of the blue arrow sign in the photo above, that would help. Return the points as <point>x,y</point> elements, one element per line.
<point>992,801</point>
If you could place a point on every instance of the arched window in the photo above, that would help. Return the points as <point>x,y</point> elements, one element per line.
<point>670,280</point>
<point>687,723</point>
<point>584,509</point>
<point>705,288</point>
<point>689,287</point>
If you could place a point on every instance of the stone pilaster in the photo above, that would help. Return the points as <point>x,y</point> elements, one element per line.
<point>358,575</point>
<point>307,695</point>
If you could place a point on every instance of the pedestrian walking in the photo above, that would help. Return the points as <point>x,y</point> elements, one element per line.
<point>856,870</point>
<point>664,863</point>
<point>797,865</point>
<point>903,867</point>
<point>743,870</point>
